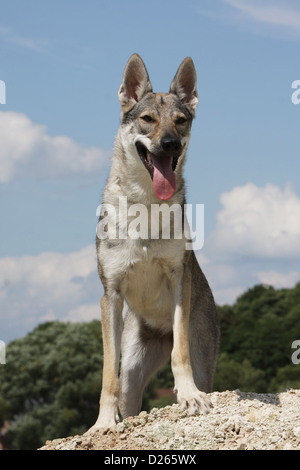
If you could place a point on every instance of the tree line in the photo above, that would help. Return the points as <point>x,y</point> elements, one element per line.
<point>51,382</point>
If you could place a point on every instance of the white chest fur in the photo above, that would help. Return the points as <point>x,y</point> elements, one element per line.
<point>142,270</point>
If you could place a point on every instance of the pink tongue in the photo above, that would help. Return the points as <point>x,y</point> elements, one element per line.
<point>164,180</point>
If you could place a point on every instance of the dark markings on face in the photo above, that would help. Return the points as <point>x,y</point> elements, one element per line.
<point>149,102</point>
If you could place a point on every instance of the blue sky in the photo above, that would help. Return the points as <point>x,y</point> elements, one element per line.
<point>62,64</point>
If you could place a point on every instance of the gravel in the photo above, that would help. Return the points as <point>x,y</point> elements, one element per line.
<point>238,420</point>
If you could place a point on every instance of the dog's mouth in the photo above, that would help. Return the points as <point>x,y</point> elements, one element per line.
<point>161,170</point>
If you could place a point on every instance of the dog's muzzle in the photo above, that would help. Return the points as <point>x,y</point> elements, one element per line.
<point>161,167</point>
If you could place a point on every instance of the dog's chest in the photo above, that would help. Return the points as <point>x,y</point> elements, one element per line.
<point>148,286</point>
<point>145,269</point>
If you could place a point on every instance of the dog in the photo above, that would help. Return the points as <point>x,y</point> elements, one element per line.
<point>171,310</point>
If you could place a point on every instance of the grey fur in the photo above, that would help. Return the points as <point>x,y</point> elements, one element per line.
<point>171,308</point>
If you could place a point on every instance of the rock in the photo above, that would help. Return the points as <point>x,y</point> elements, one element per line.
<point>296,431</point>
<point>242,444</point>
<point>288,446</point>
<point>120,427</point>
<point>238,420</point>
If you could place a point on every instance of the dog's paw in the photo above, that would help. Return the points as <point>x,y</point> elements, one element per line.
<point>104,423</point>
<point>195,403</point>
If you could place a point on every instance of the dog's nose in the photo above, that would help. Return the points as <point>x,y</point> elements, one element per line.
<point>171,144</point>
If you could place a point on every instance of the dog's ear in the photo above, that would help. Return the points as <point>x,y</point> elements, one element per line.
<point>135,83</point>
<point>184,84</point>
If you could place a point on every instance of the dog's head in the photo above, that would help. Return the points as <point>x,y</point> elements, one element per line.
<point>161,121</point>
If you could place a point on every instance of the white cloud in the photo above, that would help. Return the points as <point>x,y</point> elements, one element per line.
<point>225,279</point>
<point>35,44</point>
<point>256,240</point>
<point>46,287</point>
<point>278,279</point>
<point>258,223</point>
<point>284,15</point>
<point>28,151</point>
<point>84,313</point>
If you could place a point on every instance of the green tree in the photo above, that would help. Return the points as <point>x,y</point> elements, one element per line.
<point>286,377</point>
<point>259,328</point>
<point>232,375</point>
<point>51,383</point>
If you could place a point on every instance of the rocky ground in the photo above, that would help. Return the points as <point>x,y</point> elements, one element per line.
<point>237,420</point>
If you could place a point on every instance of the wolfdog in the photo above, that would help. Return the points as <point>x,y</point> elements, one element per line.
<point>171,310</point>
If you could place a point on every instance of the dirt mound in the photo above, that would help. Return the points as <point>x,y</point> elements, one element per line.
<point>237,420</point>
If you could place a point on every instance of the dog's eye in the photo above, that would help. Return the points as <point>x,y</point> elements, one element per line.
<point>147,118</point>
<point>181,120</point>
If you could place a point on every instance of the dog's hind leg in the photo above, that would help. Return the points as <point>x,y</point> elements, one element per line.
<point>204,331</point>
<point>144,351</point>
<point>203,359</point>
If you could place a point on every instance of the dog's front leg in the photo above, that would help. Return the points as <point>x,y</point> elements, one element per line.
<point>188,395</point>
<point>112,326</point>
